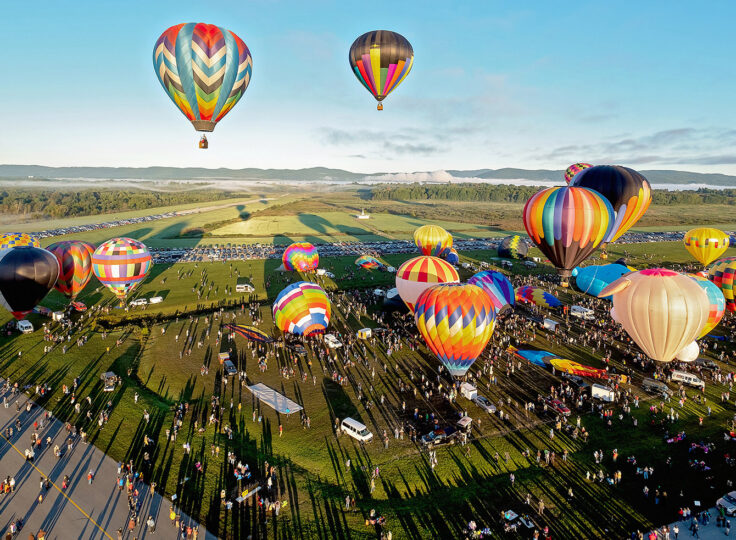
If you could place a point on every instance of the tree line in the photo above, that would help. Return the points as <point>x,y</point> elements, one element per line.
<point>59,204</point>
<point>520,194</point>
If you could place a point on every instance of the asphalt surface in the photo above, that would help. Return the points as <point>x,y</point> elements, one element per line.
<point>82,511</point>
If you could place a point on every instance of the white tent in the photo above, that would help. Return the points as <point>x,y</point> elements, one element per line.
<point>277,401</point>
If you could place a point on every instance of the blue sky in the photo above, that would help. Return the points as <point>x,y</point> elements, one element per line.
<point>494,84</point>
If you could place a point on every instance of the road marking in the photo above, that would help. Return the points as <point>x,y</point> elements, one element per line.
<point>58,489</point>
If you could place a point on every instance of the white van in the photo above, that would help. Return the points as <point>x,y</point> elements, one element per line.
<point>332,342</point>
<point>155,299</point>
<point>687,378</point>
<point>321,271</point>
<point>24,327</point>
<point>468,391</point>
<point>582,313</point>
<point>356,430</point>
<point>604,393</point>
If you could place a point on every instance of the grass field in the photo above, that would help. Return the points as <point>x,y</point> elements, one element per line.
<point>419,501</point>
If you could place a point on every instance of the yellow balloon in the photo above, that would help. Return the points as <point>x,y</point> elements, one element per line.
<point>432,240</point>
<point>706,244</point>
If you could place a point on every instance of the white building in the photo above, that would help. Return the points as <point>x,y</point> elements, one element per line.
<point>363,215</point>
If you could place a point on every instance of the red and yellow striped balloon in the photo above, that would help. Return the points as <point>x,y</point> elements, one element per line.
<point>420,273</point>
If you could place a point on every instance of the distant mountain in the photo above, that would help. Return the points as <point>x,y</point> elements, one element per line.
<point>323,173</point>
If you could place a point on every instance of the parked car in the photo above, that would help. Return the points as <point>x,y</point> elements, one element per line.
<point>440,436</point>
<point>727,503</point>
<point>485,404</point>
<point>557,406</point>
<point>139,302</point>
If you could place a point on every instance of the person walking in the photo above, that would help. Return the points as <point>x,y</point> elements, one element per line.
<point>151,525</point>
<point>728,527</point>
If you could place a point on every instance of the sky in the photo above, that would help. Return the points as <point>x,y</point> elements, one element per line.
<point>534,84</point>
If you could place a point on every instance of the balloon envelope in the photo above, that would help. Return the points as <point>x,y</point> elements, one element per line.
<point>301,256</point>
<point>75,266</point>
<point>497,287</point>
<point>420,273</point>
<point>250,333</point>
<point>432,240</point>
<point>11,240</point>
<point>706,244</point>
<point>452,257</point>
<point>204,69</point>
<point>121,264</point>
<point>593,279</point>
<point>368,262</point>
<point>574,169</point>
<point>302,308</point>
<point>381,60</point>
<point>716,302</point>
<point>722,273</point>
<point>661,310</point>
<point>537,296</point>
<point>456,321</point>
<point>513,247</point>
<point>689,353</point>
<point>27,274</point>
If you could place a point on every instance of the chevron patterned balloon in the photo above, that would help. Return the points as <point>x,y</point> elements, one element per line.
<point>75,266</point>
<point>204,68</point>
<point>456,321</point>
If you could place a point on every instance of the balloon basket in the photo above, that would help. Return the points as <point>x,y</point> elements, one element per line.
<point>604,255</point>
<point>203,143</point>
<point>380,107</point>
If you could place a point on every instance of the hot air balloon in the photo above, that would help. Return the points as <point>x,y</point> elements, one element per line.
<point>593,279</point>
<point>537,296</point>
<point>706,244</point>
<point>420,273</point>
<point>27,274</point>
<point>497,287</point>
<point>452,257</point>
<point>574,169</point>
<point>456,321</point>
<point>661,310</point>
<point>121,264</point>
<point>250,333</point>
<point>75,266</point>
<point>302,308</point>
<point>204,69</point>
<point>381,60</point>
<point>722,273</point>
<point>368,262</point>
<point>14,239</point>
<point>432,240</point>
<point>513,247</point>
<point>689,353</point>
<point>301,256</point>
<point>716,301</point>
<point>628,192</point>
<point>567,224</point>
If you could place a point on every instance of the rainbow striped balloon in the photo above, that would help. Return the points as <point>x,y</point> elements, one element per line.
<point>567,224</point>
<point>456,321</point>
<point>302,308</point>
<point>301,256</point>
<point>121,264</point>
<point>420,273</point>
<point>716,300</point>
<point>368,262</point>
<point>432,240</point>
<point>75,266</point>
<point>204,69</point>
<point>497,287</point>
<point>722,273</point>
<point>15,239</point>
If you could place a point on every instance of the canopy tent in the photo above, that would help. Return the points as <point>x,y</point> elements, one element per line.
<point>272,398</point>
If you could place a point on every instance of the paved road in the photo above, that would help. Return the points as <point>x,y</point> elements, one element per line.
<point>705,532</point>
<point>82,511</point>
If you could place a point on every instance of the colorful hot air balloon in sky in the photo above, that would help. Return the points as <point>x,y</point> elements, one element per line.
<point>537,296</point>
<point>368,262</point>
<point>722,273</point>
<point>716,301</point>
<point>302,308</point>
<point>250,333</point>
<point>14,239</point>
<point>75,266</point>
<point>121,264</point>
<point>593,279</point>
<point>301,256</point>
<point>27,274</point>
<point>452,257</point>
<point>204,69</point>
<point>628,192</point>
<point>706,244</point>
<point>456,321</point>
<point>513,247</point>
<point>574,169</point>
<point>420,273</point>
<point>432,240</point>
<point>497,287</point>
<point>567,224</point>
<point>381,60</point>
<point>661,310</point>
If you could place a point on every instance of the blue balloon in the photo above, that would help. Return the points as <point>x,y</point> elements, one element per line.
<point>593,279</point>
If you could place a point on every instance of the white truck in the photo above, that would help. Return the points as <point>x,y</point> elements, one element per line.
<point>582,313</point>
<point>468,391</point>
<point>550,325</point>
<point>604,393</point>
<point>687,378</point>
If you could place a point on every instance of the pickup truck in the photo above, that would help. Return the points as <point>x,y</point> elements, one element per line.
<point>557,406</point>
<point>440,436</point>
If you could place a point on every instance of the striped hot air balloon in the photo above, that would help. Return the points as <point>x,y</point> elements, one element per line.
<point>456,321</point>
<point>432,240</point>
<point>537,296</point>
<point>568,224</point>
<point>513,247</point>
<point>420,273</point>
<point>497,287</point>
<point>380,60</point>
<point>121,264</point>
<point>706,244</point>
<point>716,301</point>
<point>250,333</point>
<point>722,273</point>
<point>302,308</point>
<point>368,262</point>
<point>14,239</point>
<point>75,266</point>
<point>205,69</point>
<point>301,256</point>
